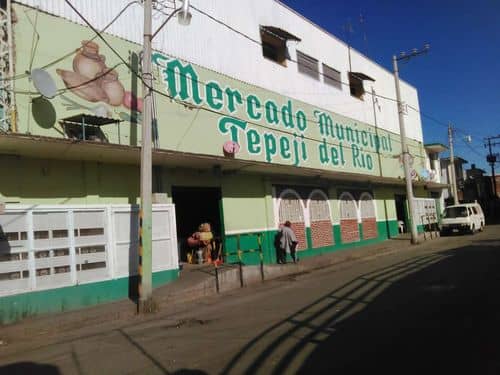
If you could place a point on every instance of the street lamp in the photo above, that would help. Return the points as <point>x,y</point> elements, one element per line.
<point>145,287</point>
<point>404,146</point>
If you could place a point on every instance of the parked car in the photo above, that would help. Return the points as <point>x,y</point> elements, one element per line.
<point>467,217</point>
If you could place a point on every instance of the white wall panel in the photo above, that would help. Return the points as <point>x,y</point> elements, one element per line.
<point>82,255</point>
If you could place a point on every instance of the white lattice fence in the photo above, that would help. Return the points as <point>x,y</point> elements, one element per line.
<point>426,211</point>
<point>46,247</point>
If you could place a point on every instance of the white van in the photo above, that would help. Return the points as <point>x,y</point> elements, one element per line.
<point>467,217</point>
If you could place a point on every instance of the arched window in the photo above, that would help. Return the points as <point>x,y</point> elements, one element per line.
<point>349,231</point>
<point>320,219</point>
<point>291,208</point>
<point>368,216</point>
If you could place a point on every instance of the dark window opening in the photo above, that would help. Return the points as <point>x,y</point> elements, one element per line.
<point>42,254</point>
<point>43,272</point>
<point>308,65</point>
<point>61,252</point>
<point>41,234</point>
<point>91,249</point>
<point>356,86</point>
<point>273,47</point>
<point>332,77</point>
<point>91,231</point>
<point>91,266</point>
<point>59,233</point>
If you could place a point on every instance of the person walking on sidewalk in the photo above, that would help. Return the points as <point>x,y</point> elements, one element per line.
<point>288,242</point>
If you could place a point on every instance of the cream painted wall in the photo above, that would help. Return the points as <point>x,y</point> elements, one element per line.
<point>386,207</point>
<point>244,203</point>
<point>41,181</point>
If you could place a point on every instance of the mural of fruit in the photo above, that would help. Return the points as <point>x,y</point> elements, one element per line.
<point>113,88</point>
<point>93,81</point>
<point>132,102</point>
<point>87,61</point>
<point>80,85</point>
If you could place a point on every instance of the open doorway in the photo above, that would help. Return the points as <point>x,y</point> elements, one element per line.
<point>193,206</point>
<point>401,215</point>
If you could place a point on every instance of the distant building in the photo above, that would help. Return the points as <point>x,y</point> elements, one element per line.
<point>480,188</point>
<point>433,165</point>
<point>477,186</point>
<point>497,179</point>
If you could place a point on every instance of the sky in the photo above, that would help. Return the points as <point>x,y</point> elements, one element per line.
<point>458,81</point>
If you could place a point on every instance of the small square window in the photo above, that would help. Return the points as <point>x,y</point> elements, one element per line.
<point>331,77</point>
<point>308,65</point>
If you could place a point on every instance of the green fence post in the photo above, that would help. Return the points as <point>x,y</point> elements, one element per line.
<point>239,257</point>
<point>261,255</point>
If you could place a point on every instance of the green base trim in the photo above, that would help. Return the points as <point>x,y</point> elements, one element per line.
<point>20,306</point>
<point>386,229</point>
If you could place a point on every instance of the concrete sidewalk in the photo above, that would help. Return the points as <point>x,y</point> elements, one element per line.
<point>194,283</point>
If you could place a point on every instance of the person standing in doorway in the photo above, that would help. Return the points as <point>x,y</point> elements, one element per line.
<point>280,253</point>
<point>288,241</point>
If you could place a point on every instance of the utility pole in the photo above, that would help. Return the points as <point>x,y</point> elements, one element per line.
<point>453,175</point>
<point>145,287</point>
<point>375,103</point>
<point>492,159</point>
<point>404,146</point>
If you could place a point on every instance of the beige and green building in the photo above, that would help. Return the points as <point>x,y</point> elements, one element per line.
<point>278,121</point>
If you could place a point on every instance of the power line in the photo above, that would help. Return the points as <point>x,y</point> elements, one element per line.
<point>99,35</point>
<point>189,105</point>
<point>48,65</point>
<point>170,97</point>
<point>288,58</point>
<point>471,148</point>
<point>204,108</point>
<point>439,122</point>
<point>200,107</point>
<point>320,73</point>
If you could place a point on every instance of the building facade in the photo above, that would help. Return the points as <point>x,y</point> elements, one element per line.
<point>261,117</point>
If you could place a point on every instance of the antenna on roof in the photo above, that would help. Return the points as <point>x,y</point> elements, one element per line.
<point>362,24</point>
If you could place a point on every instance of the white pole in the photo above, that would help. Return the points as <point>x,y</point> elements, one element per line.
<point>453,173</point>
<point>406,157</point>
<point>145,213</point>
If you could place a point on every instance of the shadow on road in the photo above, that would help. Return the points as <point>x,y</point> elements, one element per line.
<point>438,313</point>
<point>29,368</point>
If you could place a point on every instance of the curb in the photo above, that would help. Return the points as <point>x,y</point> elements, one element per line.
<point>125,310</point>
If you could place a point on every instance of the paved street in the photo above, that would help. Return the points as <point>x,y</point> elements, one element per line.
<point>432,308</point>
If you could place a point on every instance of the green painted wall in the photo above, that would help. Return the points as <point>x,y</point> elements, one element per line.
<point>250,242</point>
<point>13,308</point>
<point>41,181</point>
